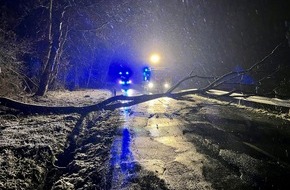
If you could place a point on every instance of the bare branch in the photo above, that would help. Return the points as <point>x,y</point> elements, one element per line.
<point>245,71</point>
<point>224,78</point>
<point>185,79</point>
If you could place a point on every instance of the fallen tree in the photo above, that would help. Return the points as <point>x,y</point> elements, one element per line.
<point>108,104</point>
<point>123,101</point>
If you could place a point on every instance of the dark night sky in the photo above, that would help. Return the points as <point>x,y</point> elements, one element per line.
<point>206,36</point>
<point>215,34</point>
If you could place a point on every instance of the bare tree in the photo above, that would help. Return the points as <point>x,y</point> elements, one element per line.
<point>55,49</point>
<point>12,76</point>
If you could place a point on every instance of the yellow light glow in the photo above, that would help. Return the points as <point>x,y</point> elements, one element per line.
<point>155,58</point>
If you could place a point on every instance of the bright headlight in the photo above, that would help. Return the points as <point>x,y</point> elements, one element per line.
<point>150,85</point>
<point>166,85</point>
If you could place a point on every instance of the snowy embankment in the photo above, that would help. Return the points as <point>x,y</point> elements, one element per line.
<point>30,145</point>
<point>273,104</point>
<point>268,104</point>
<point>256,99</point>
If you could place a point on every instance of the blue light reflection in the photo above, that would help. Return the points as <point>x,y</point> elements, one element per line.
<point>122,159</point>
<point>127,158</point>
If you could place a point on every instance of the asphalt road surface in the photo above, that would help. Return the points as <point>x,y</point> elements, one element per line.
<point>198,144</point>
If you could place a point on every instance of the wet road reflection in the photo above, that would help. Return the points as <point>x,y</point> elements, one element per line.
<point>127,158</point>
<point>122,159</point>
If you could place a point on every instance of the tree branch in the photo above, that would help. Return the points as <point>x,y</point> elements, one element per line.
<point>245,71</point>
<point>222,79</point>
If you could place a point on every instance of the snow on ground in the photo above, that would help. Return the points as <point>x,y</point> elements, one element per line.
<point>262,101</point>
<point>29,144</point>
<point>70,98</point>
<point>257,99</point>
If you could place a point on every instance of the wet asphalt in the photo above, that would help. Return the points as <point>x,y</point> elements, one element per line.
<point>199,144</point>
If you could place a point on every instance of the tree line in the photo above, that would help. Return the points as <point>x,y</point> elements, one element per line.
<point>49,44</point>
